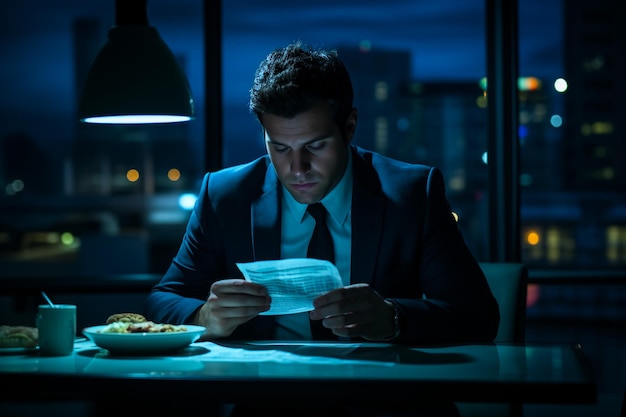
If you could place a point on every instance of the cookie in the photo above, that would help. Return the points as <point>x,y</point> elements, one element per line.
<point>126,318</point>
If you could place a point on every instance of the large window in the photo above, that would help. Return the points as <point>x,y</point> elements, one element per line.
<point>70,193</point>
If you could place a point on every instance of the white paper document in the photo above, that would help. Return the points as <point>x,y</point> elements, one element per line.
<point>293,284</point>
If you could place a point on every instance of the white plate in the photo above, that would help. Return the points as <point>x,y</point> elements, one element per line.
<point>143,342</point>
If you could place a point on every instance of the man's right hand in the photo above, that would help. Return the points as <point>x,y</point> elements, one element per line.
<point>231,302</point>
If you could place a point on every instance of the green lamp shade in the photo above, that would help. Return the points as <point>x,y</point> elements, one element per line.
<point>135,79</point>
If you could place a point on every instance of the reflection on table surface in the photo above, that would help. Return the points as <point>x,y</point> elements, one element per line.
<point>258,372</point>
<point>311,360</point>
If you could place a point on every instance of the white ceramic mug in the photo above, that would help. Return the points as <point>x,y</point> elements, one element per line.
<point>57,329</point>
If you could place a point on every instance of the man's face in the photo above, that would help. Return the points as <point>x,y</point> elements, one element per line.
<point>309,151</point>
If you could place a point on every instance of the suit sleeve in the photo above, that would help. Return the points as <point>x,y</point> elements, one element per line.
<point>457,305</point>
<point>198,263</point>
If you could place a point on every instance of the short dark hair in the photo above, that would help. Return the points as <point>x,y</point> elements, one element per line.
<point>292,79</point>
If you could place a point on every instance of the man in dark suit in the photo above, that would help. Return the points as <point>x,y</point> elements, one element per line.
<point>397,245</point>
<point>408,275</point>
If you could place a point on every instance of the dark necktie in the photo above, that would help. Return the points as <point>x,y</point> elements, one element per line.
<point>320,247</point>
<point>321,243</point>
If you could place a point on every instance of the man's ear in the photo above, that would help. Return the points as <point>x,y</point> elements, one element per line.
<point>350,125</point>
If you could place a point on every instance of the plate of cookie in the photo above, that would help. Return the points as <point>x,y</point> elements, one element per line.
<point>131,333</point>
<point>18,339</point>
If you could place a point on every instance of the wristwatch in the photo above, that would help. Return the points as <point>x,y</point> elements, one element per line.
<point>396,322</point>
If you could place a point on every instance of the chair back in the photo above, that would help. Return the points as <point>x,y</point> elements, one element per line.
<point>508,281</point>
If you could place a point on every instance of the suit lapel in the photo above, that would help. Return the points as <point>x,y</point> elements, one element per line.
<point>265,213</point>
<point>368,206</point>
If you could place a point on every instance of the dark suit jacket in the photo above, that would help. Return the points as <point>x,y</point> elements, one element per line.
<point>405,244</point>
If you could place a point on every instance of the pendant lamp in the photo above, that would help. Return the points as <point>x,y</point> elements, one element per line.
<point>135,78</point>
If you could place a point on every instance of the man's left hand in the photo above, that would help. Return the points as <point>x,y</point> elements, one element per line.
<point>355,311</point>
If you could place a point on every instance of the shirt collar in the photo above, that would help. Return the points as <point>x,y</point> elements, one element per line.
<point>338,202</point>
